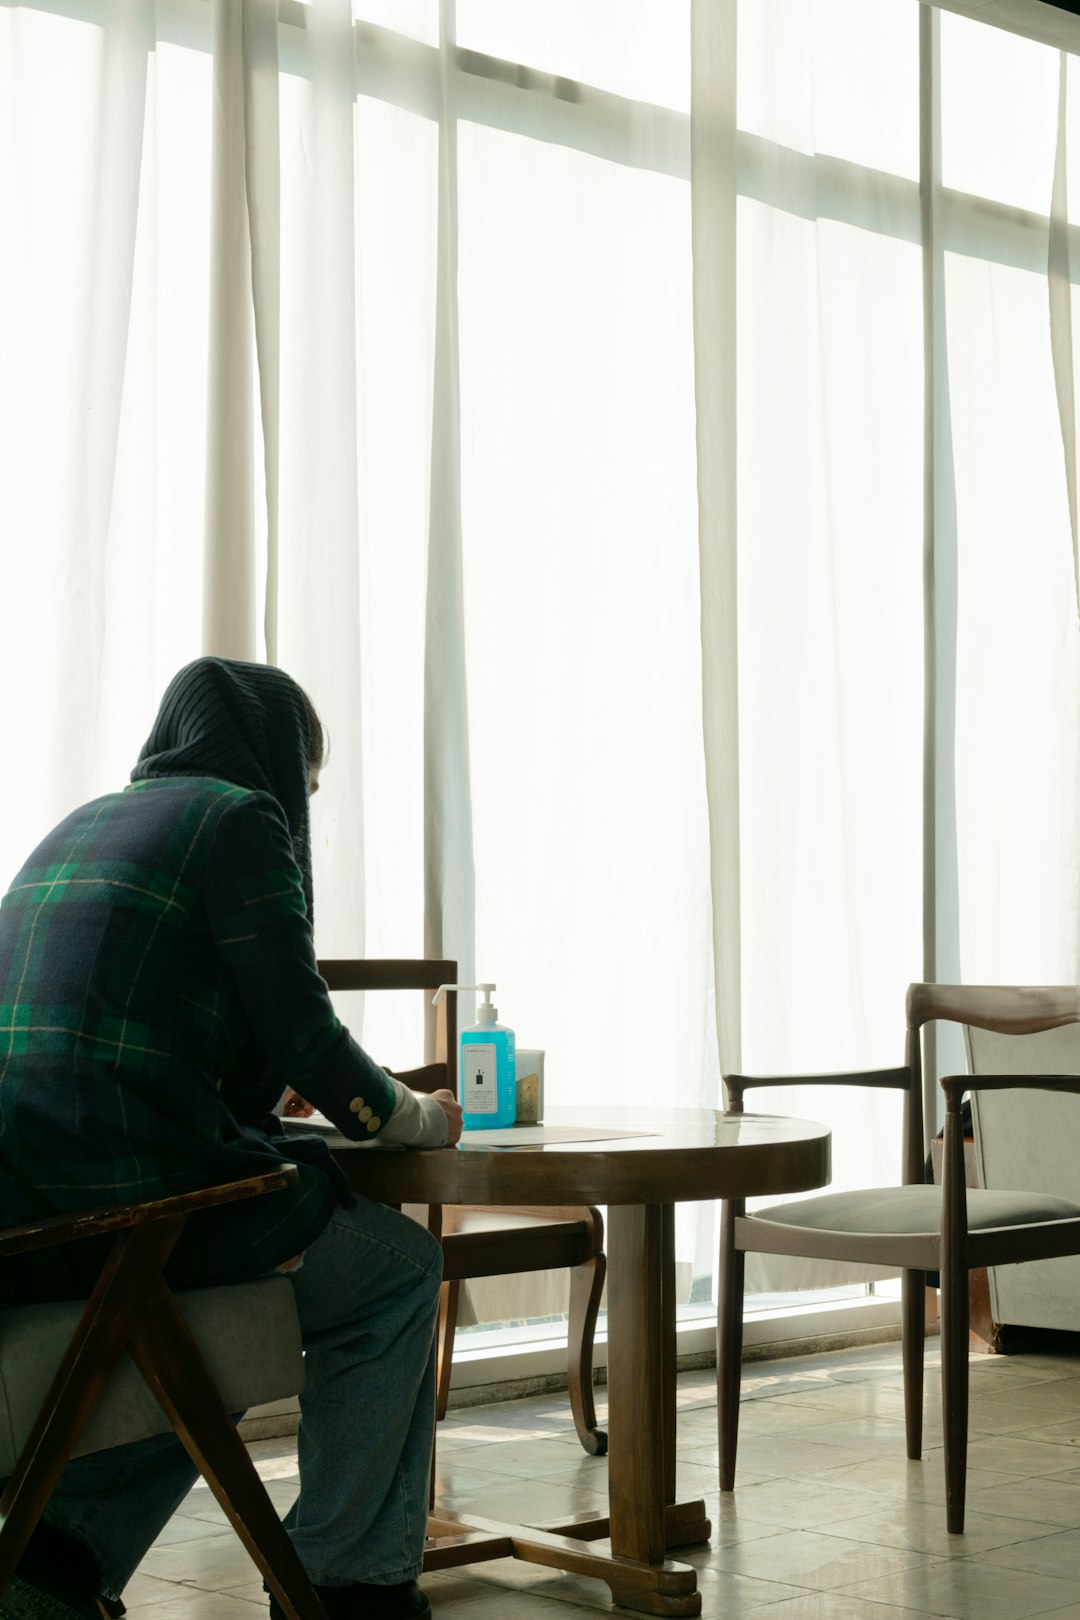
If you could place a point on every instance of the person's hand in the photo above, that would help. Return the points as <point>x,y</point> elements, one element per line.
<point>452,1109</point>
<point>295,1106</point>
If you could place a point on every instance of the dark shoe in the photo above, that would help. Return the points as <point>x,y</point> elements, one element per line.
<point>57,1578</point>
<point>364,1601</point>
<point>22,1600</point>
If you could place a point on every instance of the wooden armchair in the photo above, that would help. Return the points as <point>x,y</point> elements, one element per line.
<point>913,1227</point>
<point>67,1388</point>
<point>480,1242</point>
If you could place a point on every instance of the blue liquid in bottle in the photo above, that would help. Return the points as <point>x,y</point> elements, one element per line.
<point>488,1083</point>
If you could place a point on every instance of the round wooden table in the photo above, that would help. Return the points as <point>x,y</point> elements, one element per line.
<point>663,1159</point>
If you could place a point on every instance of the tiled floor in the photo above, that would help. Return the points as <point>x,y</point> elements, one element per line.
<point>829,1521</point>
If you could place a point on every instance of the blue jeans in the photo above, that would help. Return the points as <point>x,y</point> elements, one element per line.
<point>367,1296</point>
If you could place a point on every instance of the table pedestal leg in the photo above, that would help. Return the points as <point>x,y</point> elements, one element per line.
<point>644,1518</point>
<point>669,1405</point>
<point>636,1381</point>
<point>641,1408</point>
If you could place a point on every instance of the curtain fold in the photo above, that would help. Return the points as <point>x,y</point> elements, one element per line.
<point>262,197</point>
<point>826,378</point>
<point>240,535</point>
<point>1059,288</point>
<point>713,187</point>
<point>319,596</point>
<point>91,382</point>
<point>95,391</point>
<point>944,1050</point>
<point>229,622</point>
<point>449,870</point>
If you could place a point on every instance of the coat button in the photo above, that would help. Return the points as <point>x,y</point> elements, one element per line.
<point>374,1122</point>
<point>356,1105</point>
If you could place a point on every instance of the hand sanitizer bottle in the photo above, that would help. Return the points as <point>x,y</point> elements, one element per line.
<point>487,1089</point>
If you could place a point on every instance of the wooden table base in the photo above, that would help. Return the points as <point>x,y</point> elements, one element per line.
<point>655,1159</point>
<point>645,1520</point>
<point>664,1588</point>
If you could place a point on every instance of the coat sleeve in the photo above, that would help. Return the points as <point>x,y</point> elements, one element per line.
<point>258,921</point>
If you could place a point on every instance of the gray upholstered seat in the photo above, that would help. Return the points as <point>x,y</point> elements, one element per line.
<point>248,1333</point>
<point>905,1211</point>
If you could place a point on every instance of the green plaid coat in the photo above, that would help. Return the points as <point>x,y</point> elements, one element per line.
<point>158,990</point>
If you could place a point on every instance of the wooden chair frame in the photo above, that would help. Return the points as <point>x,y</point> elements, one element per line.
<point>132,1309</point>
<point>570,1236</point>
<point>953,1250</point>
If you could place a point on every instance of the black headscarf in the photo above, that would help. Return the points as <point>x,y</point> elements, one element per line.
<point>250,724</point>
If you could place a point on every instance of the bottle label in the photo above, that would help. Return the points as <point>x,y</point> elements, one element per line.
<point>479,1072</point>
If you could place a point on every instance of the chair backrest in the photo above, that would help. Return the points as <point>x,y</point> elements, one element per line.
<point>1022,1137</point>
<point>1006,1009</point>
<point>406,973</point>
<point>1002,1009</point>
<point>1002,1012</point>
<point>1025,1141</point>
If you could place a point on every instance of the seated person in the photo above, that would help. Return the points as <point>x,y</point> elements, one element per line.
<point>159,991</point>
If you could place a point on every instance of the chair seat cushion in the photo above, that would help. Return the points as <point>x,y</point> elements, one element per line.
<point>249,1334</point>
<point>906,1211</point>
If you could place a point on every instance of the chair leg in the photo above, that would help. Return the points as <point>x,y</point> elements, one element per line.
<point>954,1389</point>
<point>729,1331</point>
<point>586,1286</point>
<point>79,1384</point>
<point>75,1392</point>
<point>448,1309</point>
<point>913,1339</point>
<point>169,1359</point>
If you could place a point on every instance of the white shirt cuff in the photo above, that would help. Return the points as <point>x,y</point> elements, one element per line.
<point>416,1120</point>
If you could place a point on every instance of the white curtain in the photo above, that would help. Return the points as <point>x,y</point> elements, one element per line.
<point>667,507</point>
<point>820,270</point>
<point>1018,658</point>
<point>401,395</point>
<point>104,267</point>
<point>906,620</point>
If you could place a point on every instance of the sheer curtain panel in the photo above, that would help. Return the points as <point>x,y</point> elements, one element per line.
<point>650,432</point>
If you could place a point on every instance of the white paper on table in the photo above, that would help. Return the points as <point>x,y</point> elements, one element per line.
<point>515,1136</point>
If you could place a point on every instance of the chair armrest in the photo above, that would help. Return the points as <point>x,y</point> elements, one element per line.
<point>855,1077</point>
<point>899,1079</point>
<point>954,1180</point>
<point>954,1085</point>
<point>92,1223</point>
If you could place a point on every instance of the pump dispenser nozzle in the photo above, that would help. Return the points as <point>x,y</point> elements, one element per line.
<point>487,1070</point>
<point>485,1013</point>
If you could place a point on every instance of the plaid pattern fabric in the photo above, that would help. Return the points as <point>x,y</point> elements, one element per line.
<point>158,990</point>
